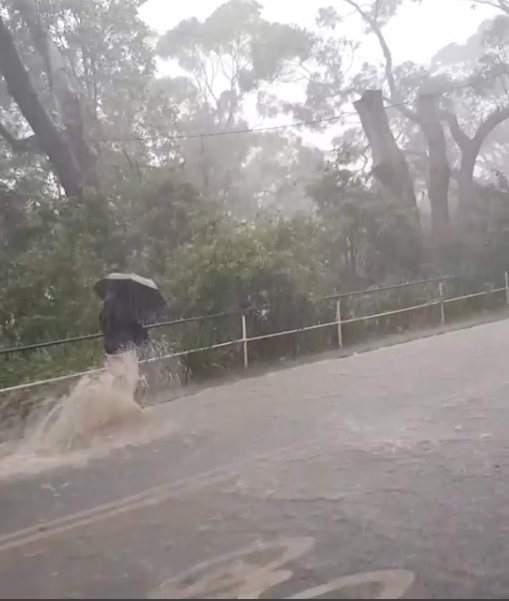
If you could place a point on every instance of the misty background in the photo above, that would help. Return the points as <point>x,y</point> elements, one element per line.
<point>243,155</point>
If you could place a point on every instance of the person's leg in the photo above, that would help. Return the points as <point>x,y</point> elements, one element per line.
<point>142,385</point>
<point>123,366</point>
<point>114,366</point>
<point>131,369</point>
<point>125,369</point>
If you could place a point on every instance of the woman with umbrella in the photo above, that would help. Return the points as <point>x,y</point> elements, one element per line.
<point>128,300</point>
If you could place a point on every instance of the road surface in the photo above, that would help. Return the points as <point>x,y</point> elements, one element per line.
<point>381,475</point>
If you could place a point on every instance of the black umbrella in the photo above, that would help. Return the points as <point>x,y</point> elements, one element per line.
<point>140,295</point>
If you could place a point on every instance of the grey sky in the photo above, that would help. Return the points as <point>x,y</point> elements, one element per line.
<point>416,34</point>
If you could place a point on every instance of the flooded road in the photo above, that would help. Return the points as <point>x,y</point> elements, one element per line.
<point>381,475</point>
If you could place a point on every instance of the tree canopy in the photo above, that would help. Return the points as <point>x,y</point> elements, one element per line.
<point>217,179</point>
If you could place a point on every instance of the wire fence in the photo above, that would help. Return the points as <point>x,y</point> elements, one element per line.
<point>242,338</point>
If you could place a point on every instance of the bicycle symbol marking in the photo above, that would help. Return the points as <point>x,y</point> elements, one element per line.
<point>233,575</point>
<point>243,575</point>
<point>395,583</point>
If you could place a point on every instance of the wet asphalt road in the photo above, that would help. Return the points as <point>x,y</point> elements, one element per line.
<point>391,465</point>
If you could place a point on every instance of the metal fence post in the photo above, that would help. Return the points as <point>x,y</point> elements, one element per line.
<point>506,278</point>
<point>442,308</point>
<point>244,340</point>
<point>338,319</point>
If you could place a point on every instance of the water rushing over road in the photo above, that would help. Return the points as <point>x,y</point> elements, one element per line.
<point>385,474</point>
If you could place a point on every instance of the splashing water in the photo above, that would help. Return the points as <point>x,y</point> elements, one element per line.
<point>100,413</point>
<point>95,407</point>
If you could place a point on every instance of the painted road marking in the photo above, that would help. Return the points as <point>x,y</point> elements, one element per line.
<point>245,575</point>
<point>152,496</point>
<point>234,575</point>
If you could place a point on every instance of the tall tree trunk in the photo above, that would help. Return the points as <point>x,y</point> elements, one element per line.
<point>52,142</point>
<point>389,164</point>
<point>467,194</point>
<point>438,175</point>
<point>470,148</point>
<point>67,94</point>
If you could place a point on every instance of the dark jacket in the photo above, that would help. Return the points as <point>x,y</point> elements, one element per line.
<point>120,330</point>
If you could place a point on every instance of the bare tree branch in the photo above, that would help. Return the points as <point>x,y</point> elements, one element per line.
<point>66,89</point>
<point>22,91</point>
<point>502,5</point>
<point>28,144</point>
<point>460,137</point>
<point>6,135</point>
<point>470,148</point>
<point>395,96</point>
<point>474,144</point>
<point>489,124</point>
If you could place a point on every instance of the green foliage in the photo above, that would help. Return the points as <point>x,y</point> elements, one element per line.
<point>256,222</point>
<point>369,237</point>
<point>486,250</point>
<point>49,286</point>
<point>250,264</point>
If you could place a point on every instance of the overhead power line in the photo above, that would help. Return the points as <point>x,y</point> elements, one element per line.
<point>255,130</point>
